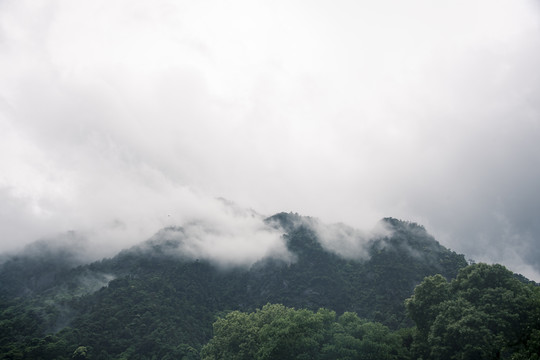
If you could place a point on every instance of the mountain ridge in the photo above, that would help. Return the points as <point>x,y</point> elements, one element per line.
<point>153,290</point>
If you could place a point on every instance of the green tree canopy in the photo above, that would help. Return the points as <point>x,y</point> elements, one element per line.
<point>279,332</point>
<point>485,313</point>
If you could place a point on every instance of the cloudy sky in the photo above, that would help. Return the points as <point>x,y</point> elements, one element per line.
<point>120,117</point>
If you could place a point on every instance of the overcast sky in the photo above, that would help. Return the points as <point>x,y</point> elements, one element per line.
<point>120,117</point>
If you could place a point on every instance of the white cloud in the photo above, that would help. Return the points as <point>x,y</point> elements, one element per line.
<point>346,241</point>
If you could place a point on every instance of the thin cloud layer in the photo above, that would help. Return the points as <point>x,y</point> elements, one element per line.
<point>114,116</point>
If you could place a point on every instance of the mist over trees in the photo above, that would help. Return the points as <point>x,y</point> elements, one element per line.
<point>121,121</point>
<point>150,302</point>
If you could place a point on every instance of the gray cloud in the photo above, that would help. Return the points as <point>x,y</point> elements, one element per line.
<point>115,115</point>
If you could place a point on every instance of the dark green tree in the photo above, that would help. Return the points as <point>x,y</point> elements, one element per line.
<point>485,313</point>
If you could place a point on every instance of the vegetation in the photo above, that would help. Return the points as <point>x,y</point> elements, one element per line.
<point>278,332</point>
<point>146,303</point>
<point>485,313</point>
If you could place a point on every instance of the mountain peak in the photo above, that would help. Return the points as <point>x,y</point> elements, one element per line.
<point>397,224</point>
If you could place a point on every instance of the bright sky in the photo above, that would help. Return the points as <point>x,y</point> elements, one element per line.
<point>116,114</point>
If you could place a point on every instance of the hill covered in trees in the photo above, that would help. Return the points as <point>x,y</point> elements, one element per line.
<point>485,313</point>
<point>155,302</point>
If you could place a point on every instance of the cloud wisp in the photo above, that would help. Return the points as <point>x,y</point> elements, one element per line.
<point>231,236</point>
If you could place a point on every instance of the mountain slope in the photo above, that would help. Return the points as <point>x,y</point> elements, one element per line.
<point>162,302</point>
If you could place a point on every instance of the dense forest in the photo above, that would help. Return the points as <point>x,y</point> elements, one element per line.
<point>408,298</point>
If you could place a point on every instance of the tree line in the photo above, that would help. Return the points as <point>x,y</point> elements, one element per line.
<point>485,313</point>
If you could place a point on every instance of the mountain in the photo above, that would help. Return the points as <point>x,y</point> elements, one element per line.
<point>155,301</point>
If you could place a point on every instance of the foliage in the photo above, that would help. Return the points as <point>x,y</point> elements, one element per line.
<point>278,332</point>
<point>485,313</point>
<point>150,302</point>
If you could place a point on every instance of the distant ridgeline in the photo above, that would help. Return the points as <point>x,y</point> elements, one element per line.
<point>151,302</point>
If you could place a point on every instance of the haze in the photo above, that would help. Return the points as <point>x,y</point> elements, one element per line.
<point>118,118</point>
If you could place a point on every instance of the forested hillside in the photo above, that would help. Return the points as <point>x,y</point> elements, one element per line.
<point>152,302</point>
<point>485,313</point>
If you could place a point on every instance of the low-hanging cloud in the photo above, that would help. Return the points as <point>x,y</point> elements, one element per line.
<point>231,236</point>
<point>348,242</point>
<point>114,116</point>
<point>339,238</point>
